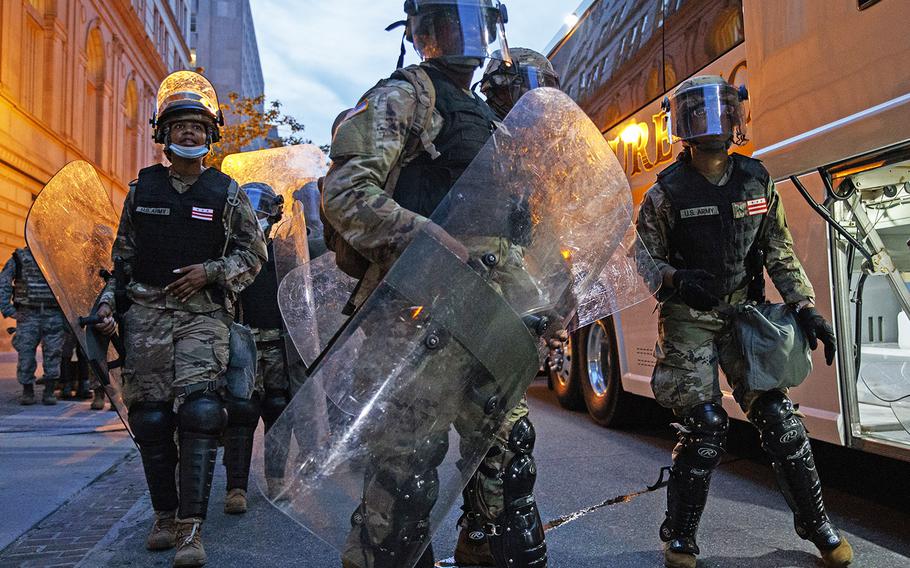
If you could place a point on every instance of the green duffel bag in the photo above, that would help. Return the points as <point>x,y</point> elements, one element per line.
<point>774,347</point>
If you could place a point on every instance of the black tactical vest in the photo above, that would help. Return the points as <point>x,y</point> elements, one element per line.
<point>716,226</point>
<point>173,230</point>
<point>30,288</point>
<point>467,125</point>
<point>260,299</point>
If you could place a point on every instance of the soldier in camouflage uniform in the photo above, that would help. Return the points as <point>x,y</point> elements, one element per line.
<point>190,242</point>
<point>395,156</point>
<point>272,390</point>
<point>26,296</point>
<point>484,502</point>
<point>712,222</point>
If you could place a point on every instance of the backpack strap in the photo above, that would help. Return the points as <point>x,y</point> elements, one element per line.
<point>233,201</point>
<point>419,130</point>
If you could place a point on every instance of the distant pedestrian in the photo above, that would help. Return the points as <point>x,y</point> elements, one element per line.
<point>26,297</point>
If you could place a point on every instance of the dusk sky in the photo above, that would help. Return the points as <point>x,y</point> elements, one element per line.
<point>319,56</point>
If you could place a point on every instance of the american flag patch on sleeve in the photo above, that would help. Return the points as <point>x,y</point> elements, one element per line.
<point>757,206</point>
<point>203,214</point>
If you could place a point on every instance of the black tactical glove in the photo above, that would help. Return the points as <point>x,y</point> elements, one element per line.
<point>815,327</point>
<point>692,288</point>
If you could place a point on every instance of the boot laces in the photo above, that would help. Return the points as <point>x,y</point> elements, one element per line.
<point>189,539</point>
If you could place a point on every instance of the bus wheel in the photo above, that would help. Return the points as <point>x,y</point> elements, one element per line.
<point>601,384</point>
<point>565,379</point>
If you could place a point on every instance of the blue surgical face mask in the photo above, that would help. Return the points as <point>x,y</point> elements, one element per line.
<point>189,152</point>
<point>264,225</point>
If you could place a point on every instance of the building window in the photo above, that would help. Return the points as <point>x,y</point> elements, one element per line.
<point>32,61</point>
<point>131,117</point>
<point>94,94</point>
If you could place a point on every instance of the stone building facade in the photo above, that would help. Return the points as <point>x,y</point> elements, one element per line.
<point>78,80</point>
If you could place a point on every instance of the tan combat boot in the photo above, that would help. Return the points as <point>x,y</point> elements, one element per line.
<point>235,502</point>
<point>190,552</point>
<point>473,549</point>
<point>673,559</point>
<point>840,556</point>
<point>164,531</point>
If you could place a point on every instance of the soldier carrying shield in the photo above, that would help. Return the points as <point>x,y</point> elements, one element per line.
<point>188,241</point>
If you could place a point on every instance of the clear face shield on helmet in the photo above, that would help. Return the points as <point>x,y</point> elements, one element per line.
<point>714,110</point>
<point>462,29</point>
<point>508,82</point>
<point>265,203</point>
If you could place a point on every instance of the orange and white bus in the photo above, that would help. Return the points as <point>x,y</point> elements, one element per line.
<point>829,86</point>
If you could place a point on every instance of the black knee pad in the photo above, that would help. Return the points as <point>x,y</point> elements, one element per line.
<point>782,432</point>
<point>243,412</point>
<point>522,437</point>
<point>152,421</point>
<point>703,437</point>
<point>273,404</point>
<point>153,424</point>
<point>202,414</point>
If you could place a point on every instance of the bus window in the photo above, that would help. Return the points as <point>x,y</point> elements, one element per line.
<point>874,205</point>
<point>612,59</point>
<point>720,29</point>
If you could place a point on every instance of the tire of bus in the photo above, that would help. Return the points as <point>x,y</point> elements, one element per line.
<point>598,361</point>
<point>565,382</point>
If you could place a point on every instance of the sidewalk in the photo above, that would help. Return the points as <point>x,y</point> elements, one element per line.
<point>49,454</point>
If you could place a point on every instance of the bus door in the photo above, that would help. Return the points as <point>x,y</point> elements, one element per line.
<point>869,198</point>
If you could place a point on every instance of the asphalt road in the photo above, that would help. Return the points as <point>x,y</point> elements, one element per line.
<point>581,466</point>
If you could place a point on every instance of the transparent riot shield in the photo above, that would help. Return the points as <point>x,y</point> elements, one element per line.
<point>285,169</point>
<point>406,399</point>
<point>70,230</point>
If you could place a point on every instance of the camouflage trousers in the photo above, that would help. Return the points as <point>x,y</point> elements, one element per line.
<point>34,326</point>
<point>691,346</point>
<point>167,349</point>
<point>271,365</point>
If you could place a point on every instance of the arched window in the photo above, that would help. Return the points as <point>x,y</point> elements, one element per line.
<point>726,31</point>
<point>95,65</point>
<point>131,116</point>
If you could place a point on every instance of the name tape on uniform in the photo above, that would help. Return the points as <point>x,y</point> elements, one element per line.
<point>699,212</point>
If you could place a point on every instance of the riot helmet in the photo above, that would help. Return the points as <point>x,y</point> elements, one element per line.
<point>504,83</point>
<point>267,204</point>
<point>707,111</point>
<point>459,32</point>
<point>186,96</point>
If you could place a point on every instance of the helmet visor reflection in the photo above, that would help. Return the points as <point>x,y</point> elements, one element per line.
<point>457,30</point>
<point>706,110</point>
<point>262,197</point>
<point>534,78</point>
